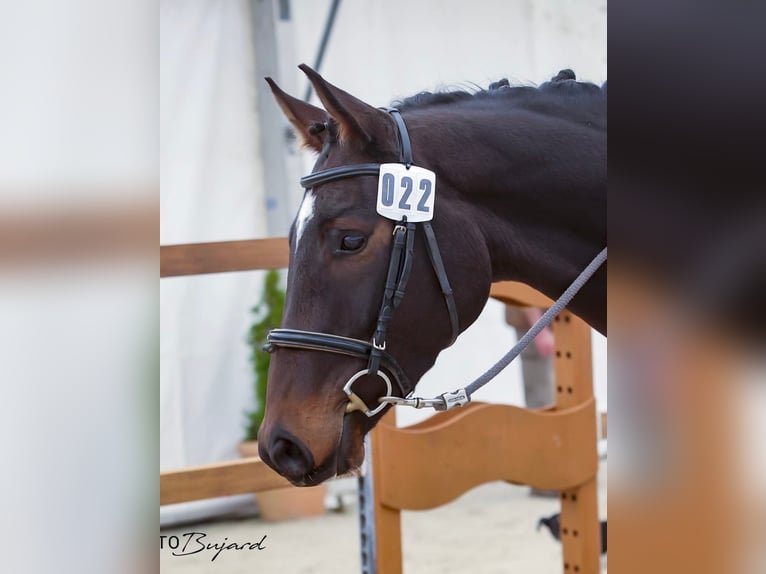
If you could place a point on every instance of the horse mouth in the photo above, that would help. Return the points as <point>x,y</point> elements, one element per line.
<point>320,475</point>
<point>344,462</point>
<point>314,478</point>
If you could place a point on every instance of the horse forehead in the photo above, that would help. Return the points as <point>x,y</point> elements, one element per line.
<point>339,196</point>
<point>323,205</point>
<point>306,213</point>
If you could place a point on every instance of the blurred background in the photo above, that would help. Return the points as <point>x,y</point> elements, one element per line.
<point>230,167</point>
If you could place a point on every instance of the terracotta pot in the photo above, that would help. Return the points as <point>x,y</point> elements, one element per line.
<point>286,503</point>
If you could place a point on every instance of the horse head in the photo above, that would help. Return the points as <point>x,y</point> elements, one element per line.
<point>340,250</point>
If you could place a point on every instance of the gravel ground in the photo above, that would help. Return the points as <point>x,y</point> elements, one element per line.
<point>490,529</point>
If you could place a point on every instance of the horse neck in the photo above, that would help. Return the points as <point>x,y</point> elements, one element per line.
<point>536,189</point>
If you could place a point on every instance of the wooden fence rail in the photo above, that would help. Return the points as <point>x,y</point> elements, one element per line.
<point>223,256</point>
<point>219,479</point>
<point>237,476</point>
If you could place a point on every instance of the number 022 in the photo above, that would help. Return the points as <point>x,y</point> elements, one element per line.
<point>406,187</point>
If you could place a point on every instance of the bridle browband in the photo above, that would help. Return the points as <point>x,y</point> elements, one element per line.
<point>379,362</point>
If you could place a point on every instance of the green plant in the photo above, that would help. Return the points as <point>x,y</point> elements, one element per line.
<point>268,314</point>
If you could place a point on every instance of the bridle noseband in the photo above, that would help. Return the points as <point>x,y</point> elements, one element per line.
<point>379,361</point>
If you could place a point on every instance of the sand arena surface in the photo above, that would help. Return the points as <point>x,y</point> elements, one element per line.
<point>491,529</point>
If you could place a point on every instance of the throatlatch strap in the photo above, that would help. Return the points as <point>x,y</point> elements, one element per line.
<point>404,276</point>
<point>436,262</point>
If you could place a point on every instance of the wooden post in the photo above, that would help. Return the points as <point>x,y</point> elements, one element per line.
<point>580,528</point>
<point>388,525</point>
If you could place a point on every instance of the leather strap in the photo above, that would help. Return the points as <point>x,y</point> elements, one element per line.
<point>436,262</point>
<point>405,155</point>
<point>311,341</point>
<point>340,172</point>
<point>409,251</point>
<point>399,268</point>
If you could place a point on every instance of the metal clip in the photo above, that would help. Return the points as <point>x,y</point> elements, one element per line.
<point>443,402</point>
<point>458,398</point>
<point>414,402</point>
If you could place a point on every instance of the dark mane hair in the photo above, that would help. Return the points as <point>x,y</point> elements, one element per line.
<point>563,84</point>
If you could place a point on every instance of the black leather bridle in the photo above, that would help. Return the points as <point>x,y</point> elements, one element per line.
<point>379,362</point>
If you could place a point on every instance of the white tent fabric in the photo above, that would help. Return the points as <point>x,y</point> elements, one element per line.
<point>211,191</point>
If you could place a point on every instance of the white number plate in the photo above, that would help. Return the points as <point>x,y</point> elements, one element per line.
<point>406,192</point>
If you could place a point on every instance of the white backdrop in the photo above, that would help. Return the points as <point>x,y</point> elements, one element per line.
<point>212,187</point>
<point>211,190</point>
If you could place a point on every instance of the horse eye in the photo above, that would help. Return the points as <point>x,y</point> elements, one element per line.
<point>351,243</point>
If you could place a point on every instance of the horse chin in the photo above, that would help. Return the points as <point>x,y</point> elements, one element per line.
<point>315,477</point>
<point>351,446</point>
<point>350,453</point>
<point>346,460</point>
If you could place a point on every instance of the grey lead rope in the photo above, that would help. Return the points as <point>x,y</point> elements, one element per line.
<point>541,323</point>
<point>462,396</point>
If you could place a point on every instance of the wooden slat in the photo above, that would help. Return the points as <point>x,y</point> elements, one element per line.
<point>442,417</point>
<point>223,256</point>
<point>519,294</point>
<point>549,450</point>
<point>573,361</point>
<point>580,529</point>
<point>388,523</point>
<point>219,479</point>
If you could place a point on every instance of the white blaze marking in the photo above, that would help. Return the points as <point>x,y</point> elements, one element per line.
<point>305,213</point>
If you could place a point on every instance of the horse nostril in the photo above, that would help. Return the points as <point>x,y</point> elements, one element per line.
<point>289,456</point>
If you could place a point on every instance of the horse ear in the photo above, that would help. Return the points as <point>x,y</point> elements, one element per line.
<point>309,121</point>
<point>356,120</point>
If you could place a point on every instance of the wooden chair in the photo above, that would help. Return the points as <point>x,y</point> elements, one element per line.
<point>547,449</point>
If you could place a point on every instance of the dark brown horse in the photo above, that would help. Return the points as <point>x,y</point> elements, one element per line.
<point>521,195</point>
